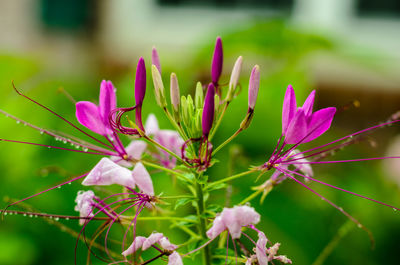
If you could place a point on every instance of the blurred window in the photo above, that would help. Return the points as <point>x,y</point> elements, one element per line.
<point>378,7</point>
<point>230,3</point>
<point>68,14</point>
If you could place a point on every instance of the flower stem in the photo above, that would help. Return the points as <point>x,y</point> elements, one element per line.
<point>165,169</point>
<point>231,178</point>
<point>202,220</point>
<point>227,141</point>
<point>218,122</point>
<point>252,196</point>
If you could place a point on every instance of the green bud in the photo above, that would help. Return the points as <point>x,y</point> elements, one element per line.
<point>199,96</point>
<point>159,87</point>
<point>197,122</point>
<point>217,100</point>
<point>185,112</point>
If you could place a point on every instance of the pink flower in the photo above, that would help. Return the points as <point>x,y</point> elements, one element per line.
<point>133,151</point>
<point>145,243</point>
<point>233,219</point>
<point>84,204</point>
<point>175,259</point>
<point>301,124</point>
<point>106,172</point>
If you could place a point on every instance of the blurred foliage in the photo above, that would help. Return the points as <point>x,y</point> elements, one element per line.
<point>291,215</point>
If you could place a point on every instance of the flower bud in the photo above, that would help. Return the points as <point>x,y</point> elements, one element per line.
<point>158,87</point>
<point>217,60</point>
<point>208,110</point>
<point>234,79</point>
<point>199,97</point>
<point>174,91</point>
<point>254,84</point>
<point>140,82</point>
<point>155,59</point>
<point>184,110</point>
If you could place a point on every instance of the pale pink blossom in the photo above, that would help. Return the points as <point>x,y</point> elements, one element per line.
<point>233,219</point>
<point>175,259</point>
<point>145,243</point>
<point>84,204</point>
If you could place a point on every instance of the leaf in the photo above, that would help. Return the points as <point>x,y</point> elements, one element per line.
<point>202,179</point>
<point>182,202</point>
<point>216,187</point>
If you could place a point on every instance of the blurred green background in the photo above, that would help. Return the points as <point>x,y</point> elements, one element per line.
<point>346,50</point>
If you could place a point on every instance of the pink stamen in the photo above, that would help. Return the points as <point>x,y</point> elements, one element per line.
<point>59,116</point>
<point>342,161</point>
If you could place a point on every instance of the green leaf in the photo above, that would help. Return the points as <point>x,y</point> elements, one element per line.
<point>182,202</point>
<point>219,186</point>
<point>202,179</point>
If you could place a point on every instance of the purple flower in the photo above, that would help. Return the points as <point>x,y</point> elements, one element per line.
<point>301,124</point>
<point>217,60</point>
<point>233,219</point>
<point>175,259</point>
<point>94,117</point>
<point>208,110</point>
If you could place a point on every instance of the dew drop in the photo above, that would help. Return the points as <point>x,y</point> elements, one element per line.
<point>18,122</point>
<point>5,213</point>
<point>64,141</point>
<point>25,124</point>
<point>50,217</point>
<point>394,209</point>
<point>359,225</point>
<point>24,214</point>
<point>69,183</point>
<point>31,215</point>
<point>56,219</point>
<point>36,216</point>
<point>77,146</point>
<point>341,209</point>
<point>10,213</point>
<point>85,149</point>
<point>59,187</point>
<point>67,218</point>
<point>41,132</point>
<point>49,147</point>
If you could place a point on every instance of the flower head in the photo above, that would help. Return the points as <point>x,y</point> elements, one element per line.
<point>233,219</point>
<point>84,204</point>
<point>217,60</point>
<point>208,110</point>
<point>145,243</point>
<point>301,124</point>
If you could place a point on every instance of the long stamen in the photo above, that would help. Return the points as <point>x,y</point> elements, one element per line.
<point>59,116</point>
<point>351,135</point>
<point>134,221</point>
<point>340,209</point>
<point>342,161</point>
<point>329,185</point>
<point>61,148</point>
<point>53,134</point>
<point>52,188</point>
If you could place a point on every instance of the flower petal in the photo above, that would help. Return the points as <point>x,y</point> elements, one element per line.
<point>175,259</point>
<point>297,128</point>
<point>142,179</point>
<point>136,244</point>
<point>308,104</point>
<point>107,102</point>
<point>261,249</point>
<point>151,240</point>
<point>217,228</point>
<point>165,244</point>
<point>319,123</point>
<point>151,126</point>
<point>88,115</point>
<point>106,172</point>
<point>289,108</point>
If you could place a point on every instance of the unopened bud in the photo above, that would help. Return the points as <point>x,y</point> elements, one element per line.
<point>155,59</point>
<point>199,96</point>
<point>184,110</point>
<point>208,110</point>
<point>217,60</point>
<point>158,87</point>
<point>174,92</point>
<point>254,84</point>
<point>190,106</point>
<point>234,79</point>
<point>140,82</point>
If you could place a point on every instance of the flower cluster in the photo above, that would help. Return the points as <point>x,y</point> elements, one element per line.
<point>128,149</point>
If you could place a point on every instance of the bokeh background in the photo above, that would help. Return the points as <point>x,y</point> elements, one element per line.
<point>345,49</point>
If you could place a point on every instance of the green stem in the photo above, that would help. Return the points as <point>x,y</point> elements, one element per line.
<point>163,148</point>
<point>202,221</point>
<point>218,122</point>
<point>166,170</point>
<point>231,178</point>
<point>252,196</point>
<point>342,232</point>
<point>227,141</point>
<point>175,124</point>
